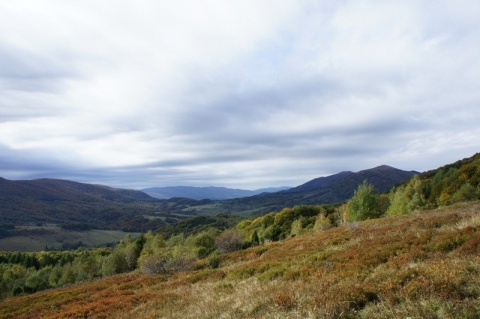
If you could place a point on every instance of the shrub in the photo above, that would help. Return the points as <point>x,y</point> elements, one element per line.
<point>322,223</point>
<point>228,241</point>
<point>213,261</point>
<point>157,264</point>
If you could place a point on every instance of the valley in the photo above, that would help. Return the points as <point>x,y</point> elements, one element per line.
<point>52,237</point>
<point>99,215</point>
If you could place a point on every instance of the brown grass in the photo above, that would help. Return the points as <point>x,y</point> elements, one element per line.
<point>423,265</point>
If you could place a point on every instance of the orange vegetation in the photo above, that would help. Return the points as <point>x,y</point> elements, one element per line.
<point>421,265</point>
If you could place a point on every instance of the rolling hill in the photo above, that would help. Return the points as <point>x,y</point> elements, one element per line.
<point>79,206</point>
<point>70,203</point>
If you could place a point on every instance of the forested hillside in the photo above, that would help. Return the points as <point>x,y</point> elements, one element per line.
<point>75,205</point>
<point>324,190</point>
<point>80,206</point>
<point>446,185</point>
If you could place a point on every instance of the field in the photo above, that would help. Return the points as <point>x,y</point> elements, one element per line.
<point>36,238</point>
<point>421,265</point>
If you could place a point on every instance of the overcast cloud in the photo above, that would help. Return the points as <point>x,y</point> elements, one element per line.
<point>241,94</point>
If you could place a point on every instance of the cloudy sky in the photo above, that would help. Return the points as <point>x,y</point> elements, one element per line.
<point>240,94</point>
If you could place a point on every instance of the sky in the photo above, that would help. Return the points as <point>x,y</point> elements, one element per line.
<point>244,94</point>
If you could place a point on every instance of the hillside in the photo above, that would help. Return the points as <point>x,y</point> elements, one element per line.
<point>73,204</point>
<point>215,193</point>
<point>324,190</point>
<point>381,177</point>
<point>421,265</point>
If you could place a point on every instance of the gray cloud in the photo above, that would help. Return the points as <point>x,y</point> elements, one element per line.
<point>150,95</point>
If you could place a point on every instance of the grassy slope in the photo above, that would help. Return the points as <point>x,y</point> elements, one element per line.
<point>423,265</point>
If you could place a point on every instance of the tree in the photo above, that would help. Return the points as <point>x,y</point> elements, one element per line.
<point>115,263</point>
<point>322,223</point>
<point>272,233</point>
<point>364,204</point>
<point>255,240</point>
<point>408,198</point>
<point>68,276</point>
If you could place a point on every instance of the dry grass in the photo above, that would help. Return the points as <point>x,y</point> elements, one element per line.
<point>423,265</point>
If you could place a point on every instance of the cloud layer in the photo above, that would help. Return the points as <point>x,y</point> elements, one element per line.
<point>246,94</point>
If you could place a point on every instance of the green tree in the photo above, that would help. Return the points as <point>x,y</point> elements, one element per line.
<point>114,264</point>
<point>68,275</point>
<point>38,280</point>
<point>322,222</point>
<point>408,198</point>
<point>255,240</point>
<point>466,193</point>
<point>55,276</point>
<point>272,233</point>
<point>204,244</point>
<point>364,204</point>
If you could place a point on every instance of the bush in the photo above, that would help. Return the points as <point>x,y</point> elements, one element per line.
<point>228,241</point>
<point>156,264</point>
<point>213,261</point>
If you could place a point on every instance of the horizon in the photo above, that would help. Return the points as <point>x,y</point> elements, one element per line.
<point>241,95</point>
<point>214,186</point>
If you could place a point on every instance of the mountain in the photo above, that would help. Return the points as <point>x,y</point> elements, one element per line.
<point>340,187</point>
<point>334,188</point>
<point>331,189</point>
<point>65,203</point>
<point>71,204</point>
<point>211,192</point>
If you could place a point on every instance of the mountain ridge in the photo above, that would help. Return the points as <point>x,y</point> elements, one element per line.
<point>63,202</point>
<point>331,189</point>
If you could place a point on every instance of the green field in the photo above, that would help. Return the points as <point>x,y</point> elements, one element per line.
<point>36,238</point>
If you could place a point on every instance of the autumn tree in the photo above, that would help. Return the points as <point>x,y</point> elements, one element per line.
<point>364,204</point>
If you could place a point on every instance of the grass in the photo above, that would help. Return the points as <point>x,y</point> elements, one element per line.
<point>36,238</point>
<point>423,265</point>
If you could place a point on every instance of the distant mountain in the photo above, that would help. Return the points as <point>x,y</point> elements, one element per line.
<point>343,184</point>
<point>323,190</point>
<point>78,205</point>
<point>211,192</point>
<point>65,202</point>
